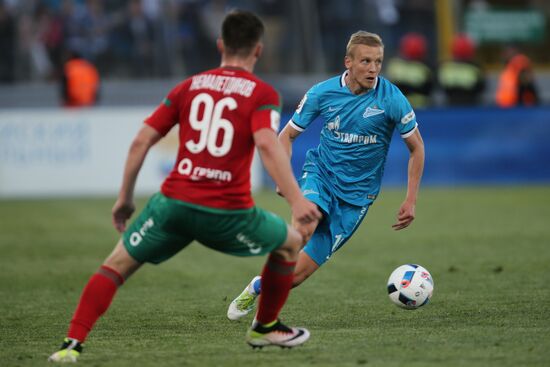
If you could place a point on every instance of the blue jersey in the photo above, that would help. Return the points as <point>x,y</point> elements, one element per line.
<point>356,135</point>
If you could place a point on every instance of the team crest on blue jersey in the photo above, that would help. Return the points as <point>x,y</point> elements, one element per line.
<point>372,111</point>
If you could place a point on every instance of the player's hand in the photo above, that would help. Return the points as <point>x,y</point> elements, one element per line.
<point>304,212</point>
<point>306,230</point>
<point>405,216</point>
<point>305,217</point>
<point>122,211</point>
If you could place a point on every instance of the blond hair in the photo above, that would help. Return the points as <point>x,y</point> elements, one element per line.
<point>363,38</point>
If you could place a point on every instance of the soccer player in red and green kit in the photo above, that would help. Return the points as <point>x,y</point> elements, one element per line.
<point>222,115</point>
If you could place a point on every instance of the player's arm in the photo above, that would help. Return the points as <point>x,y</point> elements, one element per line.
<point>306,112</point>
<point>406,213</point>
<point>287,137</point>
<point>278,166</point>
<point>124,206</point>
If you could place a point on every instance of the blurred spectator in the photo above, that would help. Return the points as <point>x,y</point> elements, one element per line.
<point>410,72</point>
<point>337,22</point>
<point>272,14</point>
<point>190,36</point>
<point>211,14</point>
<point>166,52</point>
<point>33,59</point>
<point>461,78</point>
<point>516,85</point>
<point>138,35</point>
<point>87,30</point>
<point>7,45</point>
<point>80,82</point>
<point>49,37</point>
<point>418,16</point>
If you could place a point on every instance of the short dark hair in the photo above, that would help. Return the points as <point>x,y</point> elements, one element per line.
<point>241,31</point>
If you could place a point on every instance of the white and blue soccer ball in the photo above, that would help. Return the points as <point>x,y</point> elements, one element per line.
<point>410,286</point>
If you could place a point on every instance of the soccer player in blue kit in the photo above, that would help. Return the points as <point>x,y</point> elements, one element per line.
<point>343,174</point>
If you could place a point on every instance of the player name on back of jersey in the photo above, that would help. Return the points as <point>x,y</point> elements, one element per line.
<point>223,84</point>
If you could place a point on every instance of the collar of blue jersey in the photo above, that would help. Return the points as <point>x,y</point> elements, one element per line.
<point>343,80</point>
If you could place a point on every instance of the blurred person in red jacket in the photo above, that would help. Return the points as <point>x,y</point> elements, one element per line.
<point>516,85</point>
<point>80,82</point>
<point>461,78</point>
<point>410,72</point>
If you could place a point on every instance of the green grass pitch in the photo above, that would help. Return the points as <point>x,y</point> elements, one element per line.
<point>488,250</point>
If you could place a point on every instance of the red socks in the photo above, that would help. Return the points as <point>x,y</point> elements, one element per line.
<point>94,301</point>
<point>98,294</point>
<point>277,279</point>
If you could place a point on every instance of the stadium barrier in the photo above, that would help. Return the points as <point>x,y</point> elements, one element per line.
<point>79,152</point>
<point>56,152</point>
<point>466,146</point>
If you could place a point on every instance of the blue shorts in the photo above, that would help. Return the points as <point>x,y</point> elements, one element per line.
<point>340,219</point>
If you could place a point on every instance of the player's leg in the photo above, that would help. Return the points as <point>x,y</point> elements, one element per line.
<point>315,190</point>
<point>121,261</point>
<point>146,240</point>
<point>277,276</point>
<point>96,298</point>
<point>245,302</point>
<point>329,236</point>
<point>305,267</point>
<point>256,232</point>
<point>100,290</point>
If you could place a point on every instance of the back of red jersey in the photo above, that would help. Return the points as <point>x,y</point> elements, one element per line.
<point>217,112</point>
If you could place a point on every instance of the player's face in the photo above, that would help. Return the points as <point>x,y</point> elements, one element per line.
<point>364,65</point>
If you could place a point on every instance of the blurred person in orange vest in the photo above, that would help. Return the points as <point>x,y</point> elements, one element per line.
<point>80,82</point>
<point>516,85</point>
<point>410,73</point>
<point>461,78</point>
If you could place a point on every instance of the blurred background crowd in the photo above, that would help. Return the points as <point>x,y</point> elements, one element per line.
<point>442,52</point>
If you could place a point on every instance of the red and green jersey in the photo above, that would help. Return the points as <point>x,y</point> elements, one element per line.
<point>217,112</point>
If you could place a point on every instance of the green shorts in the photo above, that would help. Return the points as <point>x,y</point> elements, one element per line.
<point>166,226</point>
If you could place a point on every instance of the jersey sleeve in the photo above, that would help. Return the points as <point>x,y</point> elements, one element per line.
<point>402,113</point>
<point>167,113</point>
<point>267,113</point>
<point>307,111</point>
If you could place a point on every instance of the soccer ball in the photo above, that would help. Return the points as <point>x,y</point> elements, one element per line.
<point>410,286</point>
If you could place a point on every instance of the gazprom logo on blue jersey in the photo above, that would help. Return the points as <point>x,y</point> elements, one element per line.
<point>334,127</point>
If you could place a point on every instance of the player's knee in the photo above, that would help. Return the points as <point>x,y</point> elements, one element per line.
<point>306,230</point>
<point>306,238</point>
<point>291,247</point>
<point>121,261</point>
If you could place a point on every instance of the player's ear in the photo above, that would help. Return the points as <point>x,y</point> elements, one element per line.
<point>347,61</point>
<point>220,45</point>
<point>258,50</point>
